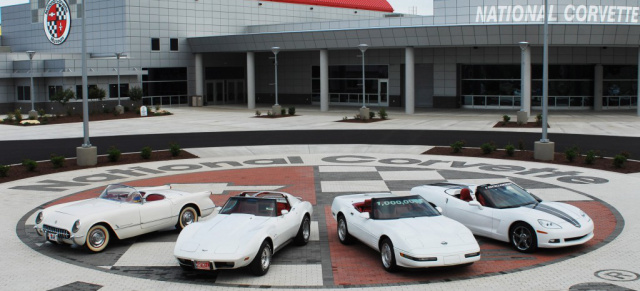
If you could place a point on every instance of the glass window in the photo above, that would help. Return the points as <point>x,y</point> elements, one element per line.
<point>113,90</point>
<point>155,44</point>
<point>53,90</point>
<point>24,93</point>
<point>173,44</point>
<point>79,90</point>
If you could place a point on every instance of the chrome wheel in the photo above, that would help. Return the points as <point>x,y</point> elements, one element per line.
<point>523,238</point>
<point>342,229</point>
<point>97,238</point>
<point>306,229</point>
<point>265,258</point>
<point>188,215</point>
<point>386,255</point>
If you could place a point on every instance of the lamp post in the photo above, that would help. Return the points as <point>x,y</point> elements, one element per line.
<point>544,149</point>
<point>87,155</point>
<point>31,89</point>
<point>525,82</point>
<point>364,111</point>
<point>119,108</point>
<point>277,109</point>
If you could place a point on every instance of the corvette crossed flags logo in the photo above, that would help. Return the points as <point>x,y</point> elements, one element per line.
<point>57,21</point>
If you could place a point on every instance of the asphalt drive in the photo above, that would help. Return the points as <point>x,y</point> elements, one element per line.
<point>15,151</point>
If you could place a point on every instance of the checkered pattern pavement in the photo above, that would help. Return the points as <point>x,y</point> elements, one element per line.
<point>147,262</point>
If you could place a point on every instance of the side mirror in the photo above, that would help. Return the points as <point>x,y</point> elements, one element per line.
<point>365,215</point>
<point>439,209</point>
<point>475,203</point>
<point>284,211</point>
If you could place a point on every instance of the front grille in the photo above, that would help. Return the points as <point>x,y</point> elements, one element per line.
<point>575,238</point>
<point>62,233</point>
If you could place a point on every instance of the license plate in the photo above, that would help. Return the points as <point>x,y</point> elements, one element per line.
<point>203,265</point>
<point>52,236</point>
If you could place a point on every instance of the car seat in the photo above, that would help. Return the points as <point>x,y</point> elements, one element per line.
<point>465,194</point>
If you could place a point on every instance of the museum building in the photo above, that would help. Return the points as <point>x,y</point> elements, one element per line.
<point>480,54</point>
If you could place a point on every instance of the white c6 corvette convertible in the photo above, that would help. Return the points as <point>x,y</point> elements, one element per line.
<point>247,231</point>
<point>122,211</point>
<point>507,212</point>
<point>406,230</point>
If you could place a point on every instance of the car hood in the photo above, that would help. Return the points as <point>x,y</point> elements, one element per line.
<point>223,234</point>
<point>432,232</point>
<point>560,213</point>
<point>87,207</point>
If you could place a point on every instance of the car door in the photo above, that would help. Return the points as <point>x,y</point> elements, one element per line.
<point>478,219</point>
<point>155,212</point>
<point>285,225</point>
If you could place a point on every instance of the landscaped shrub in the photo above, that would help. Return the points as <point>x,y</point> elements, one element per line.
<point>17,115</point>
<point>571,153</point>
<point>57,161</point>
<point>113,154</point>
<point>521,145</point>
<point>4,170</point>
<point>283,111</point>
<point>619,160</point>
<point>505,119</point>
<point>292,110</point>
<point>488,148</point>
<point>590,158</point>
<point>41,112</point>
<point>382,113</point>
<point>175,149</point>
<point>31,165</point>
<point>539,119</point>
<point>135,93</point>
<point>372,114</point>
<point>269,113</point>
<point>510,149</point>
<point>457,146</point>
<point>258,113</point>
<point>44,120</point>
<point>145,153</point>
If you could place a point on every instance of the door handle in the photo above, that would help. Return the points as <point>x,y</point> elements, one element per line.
<point>351,213</point>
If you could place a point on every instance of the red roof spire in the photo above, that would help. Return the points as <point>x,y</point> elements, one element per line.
<point>374,5</point>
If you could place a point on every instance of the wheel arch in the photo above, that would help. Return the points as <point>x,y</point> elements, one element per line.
<point>107,225</point>
<point>195,206</point>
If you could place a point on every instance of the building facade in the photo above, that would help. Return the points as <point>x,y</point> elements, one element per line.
<point>469,53</point>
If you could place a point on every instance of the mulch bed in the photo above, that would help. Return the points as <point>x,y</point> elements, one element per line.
<point>274,116</point>
<point>362,120</point>
<point>606,164</point>
<point>511,124</point>
<point>18,172</point>
<point>92,117</point>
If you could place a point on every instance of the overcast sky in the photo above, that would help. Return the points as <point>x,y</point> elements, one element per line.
<point>422,7</point>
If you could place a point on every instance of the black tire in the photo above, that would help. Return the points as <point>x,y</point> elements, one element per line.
<point>302,238</point>
<point>343,231</point>
<point>261,263</point>
<point>188,215</point>
<point>97,238</point>
<point>388,256</point>
<point>523,238</point>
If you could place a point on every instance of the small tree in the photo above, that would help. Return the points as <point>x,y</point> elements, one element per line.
<point>97,93</point>
<point>63,97</point>
<point>505,119</point>
<point>135,93</point>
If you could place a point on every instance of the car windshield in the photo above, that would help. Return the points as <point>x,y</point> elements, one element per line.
<point>401,207</point>
<point>506,195</point>
<point>250,205</point>
<point>121,193</point>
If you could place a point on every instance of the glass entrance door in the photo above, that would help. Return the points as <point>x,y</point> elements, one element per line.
<point>383,92</point>
<point>208,93</point>
<point>235,91</point>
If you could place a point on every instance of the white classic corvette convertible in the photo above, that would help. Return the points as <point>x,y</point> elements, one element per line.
<point>123,211</point>
<point>507,212</point>
<point>247,231</point>
<point>406,230</point>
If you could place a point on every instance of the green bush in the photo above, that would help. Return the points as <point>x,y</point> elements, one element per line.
<point>372,114</point>
<point>135,93</point>
<point>283,111</point>
<point>488,148</point>
<point>382,113</point>
<point>269,113</point>
<point>44,120</point>
<point>17,114</point>
<point>457,146</point>
<point>258,113</point>
<point>571,153</point>
<point>505,119</point>
<point>57,161</point>
<point>145,153</point>
<point>175,149</point>
<point>113,154</point>
<point>31,165</point>
<point>539,119</point>
<point>521,145</point>
<point>41,112</point>
<point>590,158</point>
<point>619,160</point>
<point>292,110</point>
<point>4,170</point>
<point>510,149</point>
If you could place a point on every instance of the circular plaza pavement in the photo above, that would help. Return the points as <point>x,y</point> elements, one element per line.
<point>318,174</point>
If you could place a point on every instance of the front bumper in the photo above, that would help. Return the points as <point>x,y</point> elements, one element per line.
<point>558,238</point>
<point>450,257</point>
<point>217,263</point>
<point>60,236</point>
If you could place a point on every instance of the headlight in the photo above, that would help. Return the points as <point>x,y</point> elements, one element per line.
<point>76,226</point>
<point>548,224</point>
<point>39,217</point>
